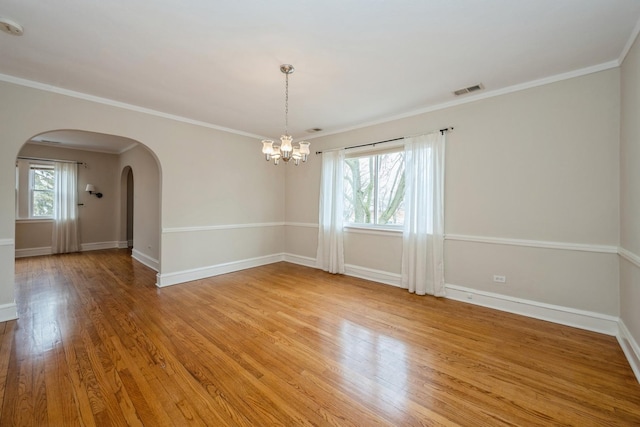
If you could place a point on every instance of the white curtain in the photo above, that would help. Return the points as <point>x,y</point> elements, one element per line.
<point>65,217</point>
<point>423,236</point>
<point>330,254</point>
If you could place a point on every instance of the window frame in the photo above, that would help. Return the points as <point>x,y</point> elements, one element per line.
<point>364,152</point>
<point>24,186</point>
<point>33,190</point>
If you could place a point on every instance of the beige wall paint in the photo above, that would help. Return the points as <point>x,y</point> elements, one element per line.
<point>630,190</point>
<point>33,234</point>
<point>539,164</point>
<point>224,245</point>
<point>209,177</point>
<point>97,217</point>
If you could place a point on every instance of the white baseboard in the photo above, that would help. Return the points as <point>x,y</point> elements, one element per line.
<point>23,253</point>
<point>630,347</point>
<point>379,276</point>
<point>8,312</point>
<point>152,263</point>
<point>300,260</point>
<point>96,246</point>
<point>582,319</point>
<point>84,247</point>
<point>123,244</point>
<point>169,279</point>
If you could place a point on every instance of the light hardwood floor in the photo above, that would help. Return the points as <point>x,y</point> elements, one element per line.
<point>98,344</point>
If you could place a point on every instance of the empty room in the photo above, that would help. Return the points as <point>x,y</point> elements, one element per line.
<point>345,213</point>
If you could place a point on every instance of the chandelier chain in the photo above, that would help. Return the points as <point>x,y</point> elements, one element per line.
<point>286,104</point>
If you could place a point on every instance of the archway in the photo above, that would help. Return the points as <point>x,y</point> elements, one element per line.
<point>127,191</point>
<point>104,221</point>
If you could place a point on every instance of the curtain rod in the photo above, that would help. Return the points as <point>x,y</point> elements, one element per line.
<point>442,131</point>
<point>51,160</point>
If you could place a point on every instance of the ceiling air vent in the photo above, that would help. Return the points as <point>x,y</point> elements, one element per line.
<point>468,89</point>
<point>313,130</point>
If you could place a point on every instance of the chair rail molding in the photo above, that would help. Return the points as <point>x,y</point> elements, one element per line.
<point>220,227</point>
<point>534,243</point>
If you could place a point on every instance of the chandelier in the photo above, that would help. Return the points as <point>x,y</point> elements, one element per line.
<point>286,150</point>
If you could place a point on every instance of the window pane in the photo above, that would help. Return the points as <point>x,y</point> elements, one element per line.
<point>43,179</point>
<point>358,190</point>
<point>42,191</point>
<point>42,203</point>
<point>391,188</point>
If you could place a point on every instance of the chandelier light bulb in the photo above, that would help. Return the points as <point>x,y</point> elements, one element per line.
<point>285,145</point>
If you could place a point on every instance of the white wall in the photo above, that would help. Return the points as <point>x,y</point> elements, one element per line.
<point>537,165</point>
<point>210,179</point>
<point>630,201</point>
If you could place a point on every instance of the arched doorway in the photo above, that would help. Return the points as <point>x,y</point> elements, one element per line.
<point>127,207</point>
<point>106,222</point>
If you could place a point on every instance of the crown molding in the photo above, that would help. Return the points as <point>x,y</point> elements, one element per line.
<point>473,98</point>
<point>632,39</point>
<point>110,102</point>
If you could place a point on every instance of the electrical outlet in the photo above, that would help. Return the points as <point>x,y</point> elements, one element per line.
<point>499,279</point>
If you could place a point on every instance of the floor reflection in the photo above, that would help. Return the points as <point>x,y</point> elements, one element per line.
<point>375,365</point>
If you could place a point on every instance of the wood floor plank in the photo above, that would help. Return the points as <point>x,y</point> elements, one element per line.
<point>97,343</point>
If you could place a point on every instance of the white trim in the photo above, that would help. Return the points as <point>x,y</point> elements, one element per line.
<point>96,246</point>
<point>220,227</point>
<point>8,312</point>
<point>473,98</point>
<point>630,41</point>
<point>589,320</point>
<point>300,260</point>
<point>123,244</point>
<point>301,224</point>
<point>28,252</point>
<point>379,276</point>
<point>535,243</point>
<point>490,94</point>
<point>169,279</point>
<point>145,259</point>
<point>374,231</point>
<point>6,242</point>
<point>629,256</point>
<point>49,88</point>
<point>630,348</point>
<point>84,247</point>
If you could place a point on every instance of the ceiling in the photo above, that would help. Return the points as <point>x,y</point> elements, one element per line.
<point>357,61</point>
<point>82,140</point>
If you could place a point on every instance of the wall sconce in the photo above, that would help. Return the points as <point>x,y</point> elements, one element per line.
<point>91,189</point>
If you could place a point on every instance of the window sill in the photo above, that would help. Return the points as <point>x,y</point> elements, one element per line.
<point>374,230</point>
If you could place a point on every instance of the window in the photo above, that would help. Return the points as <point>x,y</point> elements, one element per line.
<point>42,191</point>
<point>35,189</point>
<point>374,189</point>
